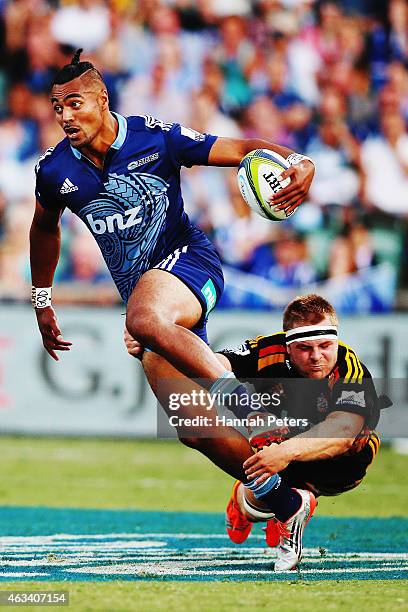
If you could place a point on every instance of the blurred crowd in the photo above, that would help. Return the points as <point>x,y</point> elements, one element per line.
<point>327,78</point>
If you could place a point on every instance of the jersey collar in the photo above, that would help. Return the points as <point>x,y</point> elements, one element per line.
<point>122,131</point>
<point>119,140</point>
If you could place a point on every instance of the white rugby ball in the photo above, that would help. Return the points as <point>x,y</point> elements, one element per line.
<point>257,181</point>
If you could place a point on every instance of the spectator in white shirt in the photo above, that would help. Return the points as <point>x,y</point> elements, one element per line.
<point>385,162</point>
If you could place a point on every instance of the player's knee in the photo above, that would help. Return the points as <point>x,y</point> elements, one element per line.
<point>145,325</point>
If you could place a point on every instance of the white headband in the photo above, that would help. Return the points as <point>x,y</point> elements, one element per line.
<point>311,332</point>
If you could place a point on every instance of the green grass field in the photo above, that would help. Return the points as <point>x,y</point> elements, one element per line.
<point>127,474</point>
<point>108,474</point>
<point>299,597</point>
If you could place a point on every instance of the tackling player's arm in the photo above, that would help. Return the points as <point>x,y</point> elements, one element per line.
<point>333,436</point>
<point>45,241</point>
<point>230,151</point>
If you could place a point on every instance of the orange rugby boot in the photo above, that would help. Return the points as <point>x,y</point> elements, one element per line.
<point>272,533</point>
<point>238,526</point>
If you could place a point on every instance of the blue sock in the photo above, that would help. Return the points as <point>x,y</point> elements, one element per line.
<point>237,397</point>
<point>280,498</point>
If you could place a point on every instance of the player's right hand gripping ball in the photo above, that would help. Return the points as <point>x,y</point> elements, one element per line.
<point>258,180</point>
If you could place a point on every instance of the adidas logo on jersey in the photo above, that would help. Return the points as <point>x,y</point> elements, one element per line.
<point>67,187</point>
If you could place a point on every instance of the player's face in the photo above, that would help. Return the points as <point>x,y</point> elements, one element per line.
<point>79,109</point>
<point>314,358</point>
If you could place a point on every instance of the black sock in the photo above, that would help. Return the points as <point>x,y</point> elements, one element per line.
<point>283,500</point>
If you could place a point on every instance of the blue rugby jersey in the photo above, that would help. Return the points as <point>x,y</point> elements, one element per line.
<point>133,207</point>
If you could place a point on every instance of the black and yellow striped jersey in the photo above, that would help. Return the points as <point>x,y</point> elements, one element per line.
<point>264,361</point>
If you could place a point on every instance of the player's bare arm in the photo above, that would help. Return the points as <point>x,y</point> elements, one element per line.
<point>230,151</point>
<point>45,242</point>
<point>334,436</point>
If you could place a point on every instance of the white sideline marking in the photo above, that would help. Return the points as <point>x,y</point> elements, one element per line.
<point>20,574</point>
<point>188,561</point>
<point>150,555</point>
<point>105,536</point>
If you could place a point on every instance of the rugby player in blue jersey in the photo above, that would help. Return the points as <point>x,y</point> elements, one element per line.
<point>121,176</point>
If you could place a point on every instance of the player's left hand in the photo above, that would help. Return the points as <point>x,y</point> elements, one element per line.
<point>50,332</point>
<point>291,196</point>
<point>133,347</point>
<point>266,462</point>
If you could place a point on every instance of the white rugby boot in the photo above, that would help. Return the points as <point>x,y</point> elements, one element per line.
<point>291,533</point>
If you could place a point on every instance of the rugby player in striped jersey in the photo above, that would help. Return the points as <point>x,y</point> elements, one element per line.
<point>323,385</point>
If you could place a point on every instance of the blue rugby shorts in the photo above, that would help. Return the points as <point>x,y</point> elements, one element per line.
<point>198,266</point>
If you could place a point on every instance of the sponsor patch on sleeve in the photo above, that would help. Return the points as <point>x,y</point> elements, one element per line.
<point>352,398</point>
<point>193,134</point>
